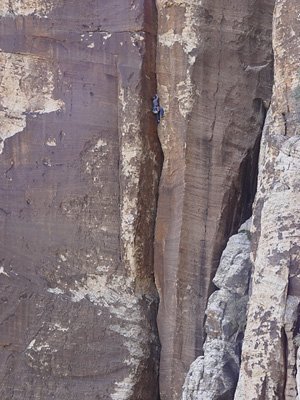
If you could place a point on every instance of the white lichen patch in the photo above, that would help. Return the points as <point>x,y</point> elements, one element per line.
<point>136,37</point>
<point>123,306</point>
<point>91,45</point>
<point>33,346</point>
<point>63,258</point>
<point>124,389</point>
<point>188,37</point>
<point>113,295</point>
<point>2,272</point>
<point>27,85</point>
<point>58,327</point>
<point>29,7</point>
<point>185,96</point>
<point>51,142</point>
<point>106,35</point>
<point>100,144</point>
<point>42,346</point>
<point>55,290</point>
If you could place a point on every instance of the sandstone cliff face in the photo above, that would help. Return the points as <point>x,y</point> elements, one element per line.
<point>270,355</point>
<point>96,199</point>
<point>79,168</point>
<point>214,73</point>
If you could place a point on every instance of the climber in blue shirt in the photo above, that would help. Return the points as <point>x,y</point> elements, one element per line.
<point>157,109</point>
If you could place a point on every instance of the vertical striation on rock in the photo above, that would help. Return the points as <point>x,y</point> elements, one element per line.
<point>214,375</point>
<point>269,365</point>
<point>79,168</point>
<point>214,72</point>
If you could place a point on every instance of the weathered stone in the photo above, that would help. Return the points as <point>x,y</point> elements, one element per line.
<point>290,329</point>
<point>80,162</point>
<point>214,376</point>
<point>266,370</point>
<point>78,175</point>
<point>234,270</point>
<point>214,71</point>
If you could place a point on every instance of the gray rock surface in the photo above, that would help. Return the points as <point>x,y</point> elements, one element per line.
<point>214,375</point>
<point>268,369</point>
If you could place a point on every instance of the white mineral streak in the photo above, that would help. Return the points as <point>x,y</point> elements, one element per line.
<point>214,375</point>
<point>128,309</point>
<point>51,142</point>
<point>27,7</point>
<point>116,294</point>
<point>26,86</point>
<point>188,40</point>
<point>131,155</point>
<point>2,272</point>
<point>268,360</point>
<point>55,290</point>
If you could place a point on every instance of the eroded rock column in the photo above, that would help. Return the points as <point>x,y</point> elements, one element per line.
<point>79,168</point>
<point>269,351</point>
<point>214,71</point>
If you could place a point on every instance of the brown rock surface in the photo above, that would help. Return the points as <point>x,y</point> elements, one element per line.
<point>214,71</point>
<point>79,168</point>
<point>80,162</point>
<point>269,363</point>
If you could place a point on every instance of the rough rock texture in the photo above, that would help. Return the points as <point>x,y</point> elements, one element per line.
<point>214,375</point>
<point>80,163</point>
<point>269,352</point>
<point>214,72</point>
<point>79,168</point>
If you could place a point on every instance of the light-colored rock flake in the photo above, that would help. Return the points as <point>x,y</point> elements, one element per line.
<point>26,88</point>
<point>27,7</point>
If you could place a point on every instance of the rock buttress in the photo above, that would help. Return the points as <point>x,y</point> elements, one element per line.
<point>79,168</point>
<point>214,72</point>
<point>270,348</point>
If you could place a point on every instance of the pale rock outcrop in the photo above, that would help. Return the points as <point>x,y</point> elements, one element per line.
<point>214,76</point>
<point>214,375</point>
<point>268,369</point>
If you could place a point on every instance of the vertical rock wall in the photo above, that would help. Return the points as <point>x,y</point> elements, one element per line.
<point>80,163</point>
<point>214,71</point>
<point>79,168</point>
<point>271,340</point>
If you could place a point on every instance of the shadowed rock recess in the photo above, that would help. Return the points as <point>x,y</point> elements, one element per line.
<point>142,261</point>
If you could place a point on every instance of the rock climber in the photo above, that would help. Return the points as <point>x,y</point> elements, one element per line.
<point>157,109</point>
